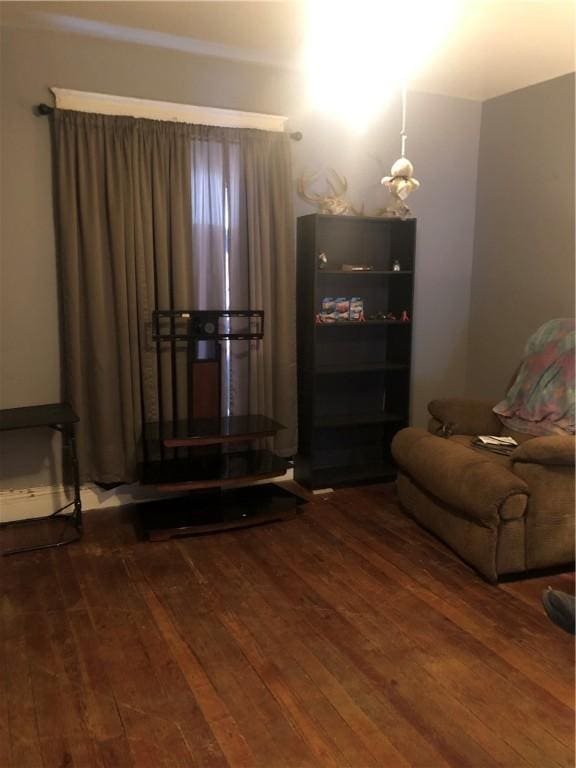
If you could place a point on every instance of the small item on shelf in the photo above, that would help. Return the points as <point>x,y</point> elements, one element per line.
<point>356,309</point>
<point>328,305</point>
<point>322,260</point>
<point>396,266</point>
<point>404,318</point>
<point>356,268</point>
<point>342,310</point>
<point>382,315</point>
<point>328,311</point>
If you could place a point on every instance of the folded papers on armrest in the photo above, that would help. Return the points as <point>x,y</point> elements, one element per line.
<point>495,443</point>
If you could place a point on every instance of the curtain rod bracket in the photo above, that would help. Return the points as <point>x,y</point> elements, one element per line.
<point>40,110</point>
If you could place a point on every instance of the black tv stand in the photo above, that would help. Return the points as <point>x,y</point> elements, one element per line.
<point>210,461</point>
<point>193,461</point>
<point>204,512</point>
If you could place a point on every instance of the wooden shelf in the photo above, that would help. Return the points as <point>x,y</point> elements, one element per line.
<point>229,429</point>
<point>326,477</point>
<point>360,323</point>
<point>360,368</point>
<point>205,512</point>
<point>381,221</point>
<point>364,273</point>
<point>211,470</point>
<point>356,419</point>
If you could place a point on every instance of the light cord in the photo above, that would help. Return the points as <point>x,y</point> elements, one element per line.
<point>403,133</point>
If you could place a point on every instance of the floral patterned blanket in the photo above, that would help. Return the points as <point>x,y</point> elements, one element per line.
<point>541,398</point>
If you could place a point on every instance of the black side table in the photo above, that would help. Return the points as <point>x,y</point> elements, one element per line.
<point>60,417</point>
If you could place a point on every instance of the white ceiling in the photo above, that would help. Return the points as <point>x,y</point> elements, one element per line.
<point>496,46</point>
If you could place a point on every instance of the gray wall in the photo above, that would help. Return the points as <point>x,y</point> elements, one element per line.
<point>443,145</point>
<point>524,251</point>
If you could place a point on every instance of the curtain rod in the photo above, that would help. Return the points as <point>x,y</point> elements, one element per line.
<point>41,110</point>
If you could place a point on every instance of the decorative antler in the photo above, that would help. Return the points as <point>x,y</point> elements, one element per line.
<point>341,182</point>
<point>332,203</point>
<point>301,185</point>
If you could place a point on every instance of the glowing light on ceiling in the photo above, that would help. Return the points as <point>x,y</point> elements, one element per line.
<point>358,52</point>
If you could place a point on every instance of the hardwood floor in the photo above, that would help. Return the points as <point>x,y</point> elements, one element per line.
<point>345,637</point>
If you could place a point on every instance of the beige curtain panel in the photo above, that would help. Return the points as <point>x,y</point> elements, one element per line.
<point>152,215</point>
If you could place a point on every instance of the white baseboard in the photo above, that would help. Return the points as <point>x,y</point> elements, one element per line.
<point>24,503</point>
<point>20,504</point>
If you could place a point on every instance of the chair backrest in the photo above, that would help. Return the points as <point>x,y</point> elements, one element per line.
<point>540,400</point>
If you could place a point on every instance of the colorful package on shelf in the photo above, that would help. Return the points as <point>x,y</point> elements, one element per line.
<point>328,304</point>
<point>328,311</point>
<point>356,309</point>
<point>342,309</point>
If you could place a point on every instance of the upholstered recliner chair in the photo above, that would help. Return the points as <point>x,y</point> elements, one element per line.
<point>501,514</point>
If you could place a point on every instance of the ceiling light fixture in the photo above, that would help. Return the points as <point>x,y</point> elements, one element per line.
<point>401,182</point>
<point>357,53</point>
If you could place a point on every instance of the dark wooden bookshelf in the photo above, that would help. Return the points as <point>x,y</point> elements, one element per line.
<point>354,379</point>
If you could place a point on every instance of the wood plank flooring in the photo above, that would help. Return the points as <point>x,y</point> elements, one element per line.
<point>347,637</point>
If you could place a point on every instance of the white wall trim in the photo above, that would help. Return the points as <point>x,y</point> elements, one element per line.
<point>23,503</point>
<point>107,104</point>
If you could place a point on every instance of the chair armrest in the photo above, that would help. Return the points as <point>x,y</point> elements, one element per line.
<point>460,477</point>
<point>467,417</point>
<point>551,449</point>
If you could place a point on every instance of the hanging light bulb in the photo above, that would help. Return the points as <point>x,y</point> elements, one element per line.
<point>401,182</point>
<point>355,55</point>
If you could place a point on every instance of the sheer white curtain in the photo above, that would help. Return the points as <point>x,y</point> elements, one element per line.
<point>243,258</point>
<point>216,242</point>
